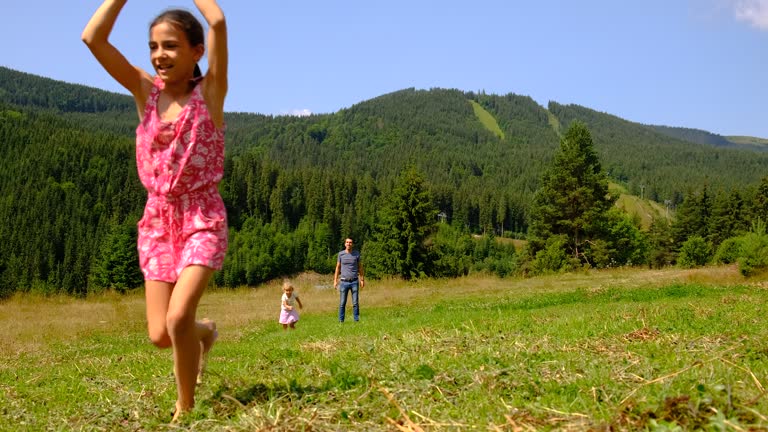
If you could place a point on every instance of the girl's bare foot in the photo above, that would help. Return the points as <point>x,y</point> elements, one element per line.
<point>178,413</point>
<point>206,345</point>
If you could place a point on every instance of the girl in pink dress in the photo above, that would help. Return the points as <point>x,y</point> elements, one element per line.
<point>289,316</point>
<point>180,159</point>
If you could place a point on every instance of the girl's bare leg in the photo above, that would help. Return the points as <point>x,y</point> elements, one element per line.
<point>186,334</point>
<point>158,296</point>
<point>206,329</point>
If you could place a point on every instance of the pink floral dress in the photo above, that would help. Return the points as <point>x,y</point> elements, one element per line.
<point>180,163</point>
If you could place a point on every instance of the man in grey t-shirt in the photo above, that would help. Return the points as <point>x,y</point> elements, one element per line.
<point>349,271</point>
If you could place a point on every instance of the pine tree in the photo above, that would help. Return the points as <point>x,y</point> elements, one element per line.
<point>117,265</point>
<point>727,218</point>
<point>407,220</point>
<point>661,243</point>
<point>760,204</point>
<point>573,198</point>
<point>692,218</point>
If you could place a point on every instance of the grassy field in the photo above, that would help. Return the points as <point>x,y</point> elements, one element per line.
<point>487,119</point>
<point>609,350</point>
<point>748,140</point>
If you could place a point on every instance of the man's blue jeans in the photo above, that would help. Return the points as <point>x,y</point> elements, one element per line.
<point>344,288</point>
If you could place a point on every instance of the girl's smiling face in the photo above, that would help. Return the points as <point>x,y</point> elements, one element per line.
<point>171,54</point>
<point>288,290</point>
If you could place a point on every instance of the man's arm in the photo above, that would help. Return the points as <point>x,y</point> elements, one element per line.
<point>361,274</point>
<point>336,274</point>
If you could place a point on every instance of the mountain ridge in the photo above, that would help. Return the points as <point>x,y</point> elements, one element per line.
<point>88,99</point>
<point>442,132</point>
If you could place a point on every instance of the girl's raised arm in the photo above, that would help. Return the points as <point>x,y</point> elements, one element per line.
<point>216,77</point>
<point>96,37</point>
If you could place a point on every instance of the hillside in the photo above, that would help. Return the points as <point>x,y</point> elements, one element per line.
<point>640,157</point>
<point>760,143</point>
<point>638,207</point>
<point>455,137</point>
<point>714,140</point>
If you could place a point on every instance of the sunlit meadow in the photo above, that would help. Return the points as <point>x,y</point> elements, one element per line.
<point>632,349</point>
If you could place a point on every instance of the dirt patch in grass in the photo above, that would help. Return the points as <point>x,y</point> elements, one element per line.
<point>642,334</point>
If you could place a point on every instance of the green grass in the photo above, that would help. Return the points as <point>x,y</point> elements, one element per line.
<point>645,210</point>
<point>627,349</point>
<point>554,122</point>
<point>487,119</point>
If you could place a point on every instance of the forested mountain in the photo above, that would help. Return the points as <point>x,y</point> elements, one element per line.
<point>637,155</point>
<point>62,189</point>
<point>715,140</point>
<point>24,89</point>
<point>294,186</point>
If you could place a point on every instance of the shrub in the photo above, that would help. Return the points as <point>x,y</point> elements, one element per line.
<point>601,253</point>
<point>502,262</point>
<point>553,258</point>
<point>754,253</point>
<point>378,263</point>
<point>694,252</point>
<point>450,252</point>
<point>729,251</point>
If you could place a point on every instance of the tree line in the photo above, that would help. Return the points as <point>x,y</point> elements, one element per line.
<point>295,187</point>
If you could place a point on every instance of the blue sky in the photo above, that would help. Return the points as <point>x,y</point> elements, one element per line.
<point>690,63</point>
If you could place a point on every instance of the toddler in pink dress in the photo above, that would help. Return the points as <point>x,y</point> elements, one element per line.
<point>288,314</point>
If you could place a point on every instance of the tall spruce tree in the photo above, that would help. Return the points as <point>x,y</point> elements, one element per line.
<point>760,203</point>
<point>117,265</point>
<point>406,221</point>
<point>692,217</point>
<point>573,199</point>
<point>661,243</point>
<point>727,218</point>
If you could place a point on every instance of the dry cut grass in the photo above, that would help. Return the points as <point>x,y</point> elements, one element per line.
<point>577,351</point>
<point>32,322</point>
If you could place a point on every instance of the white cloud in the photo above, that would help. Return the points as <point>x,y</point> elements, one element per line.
<point>754,12</point>
<point>302,112</point>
